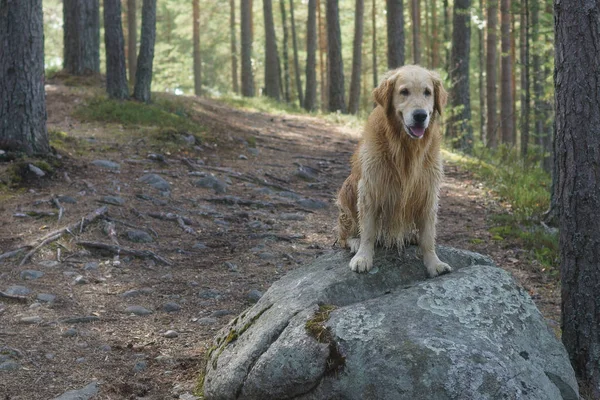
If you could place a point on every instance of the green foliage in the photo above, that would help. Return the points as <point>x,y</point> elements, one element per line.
<point>163,113</point>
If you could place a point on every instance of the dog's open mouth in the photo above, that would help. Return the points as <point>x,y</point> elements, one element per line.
<point>416,132</point>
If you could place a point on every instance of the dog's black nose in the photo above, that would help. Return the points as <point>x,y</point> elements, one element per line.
<point>420,116</point>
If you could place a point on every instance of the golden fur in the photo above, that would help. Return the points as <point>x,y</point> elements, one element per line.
<point>392,191</point>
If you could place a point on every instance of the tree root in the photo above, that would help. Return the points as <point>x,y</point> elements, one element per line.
<point>119,250</point>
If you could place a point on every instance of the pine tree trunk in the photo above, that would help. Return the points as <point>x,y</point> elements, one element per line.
<point>22,95</point>
<point>286,58</point>
<point>310,99</point>
<point>322,61</point>
<point>513,75</point>
<point>81,36</point>
<point>435,40</point>
<point>296,60</point>
<point>459,124</point>
<point>116,74</point>
<point>538,89</point>
<point>354,97</point>
<point>416,31</point>
<point>374,48</point>
<point>525,93</point>
<point>271,59</point>
<point>491,74</point>
<point>446,33</point>
<point>481,79</point>
<point>506,95</point>
<point>335,63</point>
<point>197,54</point>
<point>426,50</point>
<point>131,38</point>
<point>395,34</point>
<point>577,72</point>
<point>234,54</point>
<point>143,75</point>
<point>246,40</point>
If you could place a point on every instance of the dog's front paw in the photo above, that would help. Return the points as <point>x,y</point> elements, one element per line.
<point>361,263</point>
<point>438,268</point>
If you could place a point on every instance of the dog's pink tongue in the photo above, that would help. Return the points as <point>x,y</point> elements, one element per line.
<point>417,131</point>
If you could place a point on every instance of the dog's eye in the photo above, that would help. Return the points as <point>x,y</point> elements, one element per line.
<point>427,92</point>
<point>404,92</point>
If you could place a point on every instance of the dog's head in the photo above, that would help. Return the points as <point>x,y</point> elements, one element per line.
<point>411,95</point>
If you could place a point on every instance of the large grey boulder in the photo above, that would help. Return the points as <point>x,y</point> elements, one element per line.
<point>325,332</point>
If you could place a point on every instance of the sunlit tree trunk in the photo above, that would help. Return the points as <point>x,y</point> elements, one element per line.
<point>334,56</point>
<point>271,59</point>
<point>491,73</point>
<point>131,38</point>
<point>310,99</point>
<point>246,40</point>
<point>286,58</point>
<point>296,60</point>
<point>322,61</point>
<point>22,96</point>
<point>197,55</point>
<point>81,36</point>
<point>354,97</point>
<point>395,33</point>
<point>116,73</point>
<point>374,43</point>
<point>506,95</point>
<point>435,40</point>
<point>234,50</point>
<point>416,30</point>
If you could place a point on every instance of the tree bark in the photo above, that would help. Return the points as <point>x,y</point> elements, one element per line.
<point>22,96</point>
<point>491,74</point>
<point>271,59</point>
<point>416,30</point>
<point>131,38</point>
<point>81,36</point>
<point>395,34</point>
<point>197,55</point>
<point>354,97</point>
<point>335,63</point>
<point>296,60</point>
<point>446,33</point>
<point>143,75</point>
<point>116,76</point>
<point>234,55</point>
<point>577,95</point>
<point>322,62</point>
<point>481,49</point>
<point>246,40</point>
<point>286,58</point>
<point>506,95</point>
<point>538,89</point>
<point>310,99</point>
<point>435,39</point>
<point>374,43</point>
<point>459,124</point>
<point>525,93</point>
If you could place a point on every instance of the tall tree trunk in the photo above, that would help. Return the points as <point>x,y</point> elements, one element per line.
<point>577,97</point>
<point>22,96</point>
<point>506,96</point>
<point>286,58</point>
<point>322,61</point>
<point>538,89</point>
<point>459,124</point>
<point>446,33</point>
<point>513,75</point>
<point>234,54</point>
<point>354,97</point>
<point>246,40</point>
<point>197,54</point>
<point>374,50</point>
<point>426,50</point>
<point>416,30</point>
<point>296,60</point>
<point>116,74</point>
<point>143,75</point>
<point>435,40</point>
<point>481,79</point>
<point>395,34</point>
<point>525,93</point>
<point>131,38</point>
<point>310,99</point>
<point>491,74</point>
<point>271,59</point>
<point>81,36</point>
<point>334,58</point>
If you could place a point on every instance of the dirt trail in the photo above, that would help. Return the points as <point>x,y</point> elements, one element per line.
<point>232,216</point>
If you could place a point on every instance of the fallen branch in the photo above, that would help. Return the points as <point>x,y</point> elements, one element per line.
<point>12,296</point>
<point>57,204</point>
<point>232,200</point>
<point>13,253</point>
<point>118,250</point>
<point>183,222</point>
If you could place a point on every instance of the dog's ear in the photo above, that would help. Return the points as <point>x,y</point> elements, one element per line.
<point>384,93</point>
<point>439,93</point>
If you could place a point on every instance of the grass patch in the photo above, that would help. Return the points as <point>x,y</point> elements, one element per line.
<point>316,328</point>
<point>163,113</point>
<point>524,192</point>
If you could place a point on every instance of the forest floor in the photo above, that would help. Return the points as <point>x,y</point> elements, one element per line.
<point>231,214</point>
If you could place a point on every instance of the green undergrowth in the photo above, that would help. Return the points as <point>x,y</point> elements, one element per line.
<point>162,113</point>
<point>524,192</point>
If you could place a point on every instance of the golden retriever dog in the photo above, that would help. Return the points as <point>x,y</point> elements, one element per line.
<point>392,191</point>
